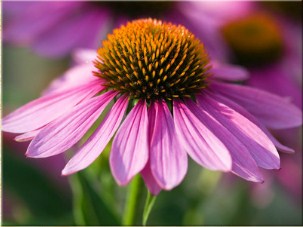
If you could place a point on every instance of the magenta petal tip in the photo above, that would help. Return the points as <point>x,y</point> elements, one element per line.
<point>66,172</point>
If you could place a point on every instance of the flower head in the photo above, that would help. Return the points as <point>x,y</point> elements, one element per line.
<point>151,60</point>
<point>158,75</point>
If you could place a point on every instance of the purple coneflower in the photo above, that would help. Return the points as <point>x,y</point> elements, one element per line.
<point>168,105</point>
<point>266,43</point>
<point>272,53</point>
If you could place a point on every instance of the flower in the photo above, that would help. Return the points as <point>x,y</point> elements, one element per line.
<point>266,43</point>
<point>49,28</point>
<point>276,44</point>
<point>159,77</point>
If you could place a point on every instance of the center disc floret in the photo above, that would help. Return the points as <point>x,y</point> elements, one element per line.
<point>151,60</point>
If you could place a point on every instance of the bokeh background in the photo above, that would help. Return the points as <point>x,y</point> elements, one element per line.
<point>35,193</point>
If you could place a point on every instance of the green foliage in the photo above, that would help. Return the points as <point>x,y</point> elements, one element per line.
<point>41,201</point>
<point>89,207</point>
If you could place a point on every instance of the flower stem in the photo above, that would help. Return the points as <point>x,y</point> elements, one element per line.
<point>149,203</point>
<point>132,201</point>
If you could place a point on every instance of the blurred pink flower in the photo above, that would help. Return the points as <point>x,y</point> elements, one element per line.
<point>173,109</point>
<point>55,29</point>
<point>290,176</point>
<point>280,73</point>
<point>283,76</point>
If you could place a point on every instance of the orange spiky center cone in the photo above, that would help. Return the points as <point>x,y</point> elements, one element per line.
<point>152,60</point>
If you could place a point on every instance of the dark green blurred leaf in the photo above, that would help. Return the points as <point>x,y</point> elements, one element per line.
<point>169,208</point>
<point>45,202</point>
<point>89,207</point>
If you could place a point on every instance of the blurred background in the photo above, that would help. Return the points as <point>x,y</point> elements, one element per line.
<point>37,46</point>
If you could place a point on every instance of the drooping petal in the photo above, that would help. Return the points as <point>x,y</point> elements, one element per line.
<point>243,163</point>
<point>228,72</point>
<point>200,143</point>
<point>27,136</point>
<point>149,180</point>
<point>251,118</point>
<point>272,110</point>
<point>43,110</point>
<point>258,144</point>
<point>168,159</point>
<point>280,146</point>
<point>93,147</point>
<point>67,130</point>
<point>130,146</point>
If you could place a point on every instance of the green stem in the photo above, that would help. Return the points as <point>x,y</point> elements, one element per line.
<point>149,203</point>
<point>132,202</point>
<point>77,200</point>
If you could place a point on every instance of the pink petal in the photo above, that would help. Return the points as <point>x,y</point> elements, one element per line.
<point>228,72</point>
<point>251,118</point>
<point>43,110</point>
<point>242,162</point>
<point>32,21</point>
<point>258,144</point>
<point>62,38</point>
<point>168,160</point>
<point>80,74</point>
<point>277,144</point>
<point>27,136</point>
<point>93,147</point>
<point>84,56</point>
<point>15,8</point>
<point>272,110</point>
<point>67,130</point>
<point>98,30</point>
<point>149,180</point>
<point>200,143</point>
<point>130,146</point>
<point>286,83</point>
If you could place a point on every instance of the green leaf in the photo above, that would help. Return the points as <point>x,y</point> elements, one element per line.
<point>89,207</point>
<point>38,195</point>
